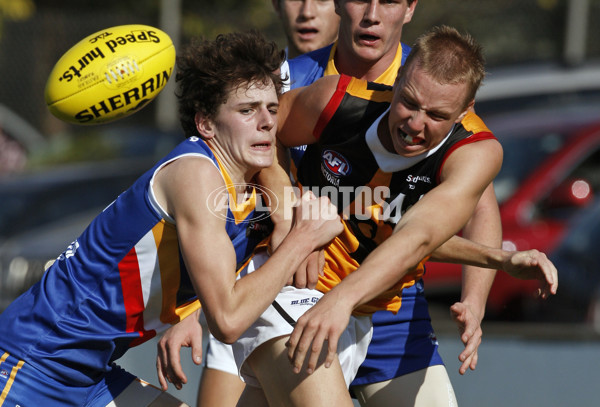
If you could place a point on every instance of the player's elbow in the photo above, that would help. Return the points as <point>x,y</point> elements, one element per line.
<point>225,329</point>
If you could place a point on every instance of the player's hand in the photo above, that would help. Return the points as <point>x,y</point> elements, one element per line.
<point>323,323</point>
<point>469,327</point>
<point>317,219</point>
<point>309,271</point>
<point>187,332</point>
<point>533,265</point>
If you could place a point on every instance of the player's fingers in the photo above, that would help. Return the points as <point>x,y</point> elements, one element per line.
<point>459,315</point>
<point>332,343</point>
<point>161,364</point>
<point>176,374</point>
<point>161,376</point>
<point>197,348</point>
<point>464,367</point>
<point>553,277</point>
<point>468,356</point>
<point>292,341</point>
<point>300,275</point>
<point>549,280</point>
<point>321,262</point>
<point>315,351</point>
<point>313,270</point>
<point>328,210</point>
<point>302,346</point>
<point>469,363</point>
<point>471,345</point>
<point>474,361</point>
<point>300,352</point>
<point>308,196</point>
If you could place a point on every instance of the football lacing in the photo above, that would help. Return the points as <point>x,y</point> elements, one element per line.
<point>122,71</point>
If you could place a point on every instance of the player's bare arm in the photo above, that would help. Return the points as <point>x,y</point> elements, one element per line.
<point>230,306</point>
<point>525,265</point>
<point>429,223</point>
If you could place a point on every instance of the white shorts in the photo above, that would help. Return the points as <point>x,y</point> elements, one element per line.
<point>219,356</point>
<point>291,303</point>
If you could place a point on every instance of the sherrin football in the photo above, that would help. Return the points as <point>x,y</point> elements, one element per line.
<point>110,74</point>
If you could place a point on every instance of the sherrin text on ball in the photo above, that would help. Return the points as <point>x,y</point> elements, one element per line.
<point>110,74</point>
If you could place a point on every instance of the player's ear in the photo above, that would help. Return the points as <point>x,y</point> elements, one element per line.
<point>336,4</point>
<point>410,11</point>
<point>276,7</point>
<point>470,107</point>
<point>205,126</point>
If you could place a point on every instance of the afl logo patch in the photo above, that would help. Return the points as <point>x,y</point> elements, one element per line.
<point>336,163</point>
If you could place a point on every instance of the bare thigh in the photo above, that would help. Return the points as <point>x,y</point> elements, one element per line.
<point>283,387</point>
<point>219,389</point>
<point>428,387</point>
<point>253,397</point>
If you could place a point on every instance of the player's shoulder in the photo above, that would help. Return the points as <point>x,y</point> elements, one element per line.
<point>317,57</point>
<point>307,68</point>
<point>475,124</point>
<point>192,155</point>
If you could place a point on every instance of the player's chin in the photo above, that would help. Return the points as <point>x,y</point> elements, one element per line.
<point>260,161</point>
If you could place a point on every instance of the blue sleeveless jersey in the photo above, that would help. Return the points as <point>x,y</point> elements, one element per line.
<point>115,287</point>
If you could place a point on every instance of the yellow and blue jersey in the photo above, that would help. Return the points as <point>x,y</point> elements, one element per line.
<point>118,284</point>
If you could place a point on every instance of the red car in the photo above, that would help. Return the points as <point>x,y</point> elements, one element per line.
<point>551,170</point>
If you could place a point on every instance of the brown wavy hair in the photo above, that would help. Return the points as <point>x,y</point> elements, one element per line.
<point>207,70</point>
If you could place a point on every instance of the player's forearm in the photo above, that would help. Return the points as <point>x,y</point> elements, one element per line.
<point>383,268</point>
<point>459,250</point>
<point>484,228</point>
<point>279,192</point>
<point>252,294</point>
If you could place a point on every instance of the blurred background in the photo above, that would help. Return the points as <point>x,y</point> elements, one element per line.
<point>541,98</point>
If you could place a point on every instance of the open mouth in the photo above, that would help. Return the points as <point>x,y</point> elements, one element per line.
<point>261,145</point>
<point>410,140</point>
<point>368,38</point>
<point>307,31</point>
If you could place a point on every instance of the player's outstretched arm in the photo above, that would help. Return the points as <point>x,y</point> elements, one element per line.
<point>525,265</point>
<point>423,228</point>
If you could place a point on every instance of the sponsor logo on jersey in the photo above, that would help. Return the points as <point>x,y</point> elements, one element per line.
<point>414,179</point>
<point>3,374</point>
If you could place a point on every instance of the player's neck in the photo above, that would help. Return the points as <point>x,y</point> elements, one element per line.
<point>348,63</point>
<point>238,174</point>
